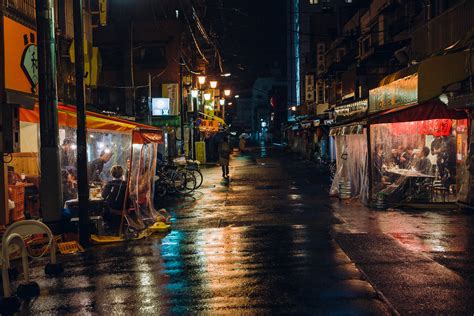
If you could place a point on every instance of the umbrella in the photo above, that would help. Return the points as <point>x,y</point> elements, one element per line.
<point>244,135</point>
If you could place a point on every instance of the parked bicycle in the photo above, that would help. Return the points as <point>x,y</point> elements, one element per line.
<point>171,179</point>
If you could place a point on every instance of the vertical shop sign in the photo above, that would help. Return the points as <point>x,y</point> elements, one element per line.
<point>309,88</point>
<point>200,151</point>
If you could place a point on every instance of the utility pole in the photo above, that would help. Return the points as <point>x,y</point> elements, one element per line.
<point>82,181</point>
<point>4,212</point>
<point>150,101</point>
<point>51,189</point>
<point>181,103</point>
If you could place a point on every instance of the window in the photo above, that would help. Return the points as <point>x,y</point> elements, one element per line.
<point>313,1</point>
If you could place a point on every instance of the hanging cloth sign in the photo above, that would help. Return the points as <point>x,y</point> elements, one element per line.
<point>436,127</point>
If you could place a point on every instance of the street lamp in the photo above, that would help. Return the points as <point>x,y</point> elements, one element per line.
<point>293,108</point>
<point>207,96</point>
<point>227,74</point>
<point>213,84</point>
<point>194,93</point>
<point>202,79</point>
<point>222,101</point>
<point>227,92</point>
<point>237,96</point>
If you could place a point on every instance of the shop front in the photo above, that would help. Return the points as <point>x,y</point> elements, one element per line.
<point>111,159</point>
<point>418,155</point>
<point>418,146</point>
<point>348,136</point>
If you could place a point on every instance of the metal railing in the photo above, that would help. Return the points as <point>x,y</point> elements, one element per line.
<point>25,8</point>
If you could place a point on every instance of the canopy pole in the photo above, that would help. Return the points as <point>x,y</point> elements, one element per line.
<point>50,189</point>
<point>82,181</point>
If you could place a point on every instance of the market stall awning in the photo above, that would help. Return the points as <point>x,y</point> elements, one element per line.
<point>430,110</point>
<point>94,121</point>
<point>420,83</point>
<point>146,136</point>
<point>438,72</point>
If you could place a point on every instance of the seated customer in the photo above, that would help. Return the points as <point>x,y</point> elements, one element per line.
<point>423,164</point>
<point>114,194</point>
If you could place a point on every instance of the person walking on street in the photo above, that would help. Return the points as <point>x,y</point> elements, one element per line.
<point>224,156</point>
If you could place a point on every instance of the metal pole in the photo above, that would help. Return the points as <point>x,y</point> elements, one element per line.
<point>82,181</point>
<point>181,105</point>
<point>149,99</point>
<point>50,189</point>
<point>4,212</point>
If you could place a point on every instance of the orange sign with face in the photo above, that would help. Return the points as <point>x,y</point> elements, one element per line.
<point>21,57</point>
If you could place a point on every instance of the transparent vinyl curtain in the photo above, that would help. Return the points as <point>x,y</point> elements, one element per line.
<point>351,161</point>
<point>143,168</point>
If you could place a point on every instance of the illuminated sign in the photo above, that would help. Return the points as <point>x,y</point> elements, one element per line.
<point>397,93</point>
<point>21,57</point>
<point>160,106</point>
<point>347,110</point>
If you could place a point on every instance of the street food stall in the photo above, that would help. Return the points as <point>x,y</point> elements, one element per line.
<point>111,159</point>
<point>418,155</point>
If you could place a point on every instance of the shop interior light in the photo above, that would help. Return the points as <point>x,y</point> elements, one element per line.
<point>293,108</point>
<point>213,84</point>
<point>73,146</point>
<point>100,145</point>
<point>227,92</point>
<point>221,101</point>
<point>207,96</point>
<point>202,79</point>
<point>194,93</point>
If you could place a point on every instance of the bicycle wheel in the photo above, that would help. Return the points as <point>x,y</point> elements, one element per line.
<point>198,175</point>
<point>189,184</point>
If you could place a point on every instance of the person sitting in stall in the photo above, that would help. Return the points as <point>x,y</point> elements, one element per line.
<point>395,156</point>
<point>96,166</point>
<point>379,166</point>
<point>114,196</point>
<point>406,159</point>
<point>423,164</point>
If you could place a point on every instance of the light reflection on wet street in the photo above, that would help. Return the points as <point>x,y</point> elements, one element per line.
<point>271,241</point>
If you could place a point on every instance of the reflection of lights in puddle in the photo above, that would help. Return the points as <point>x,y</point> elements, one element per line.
<point>294,197</point>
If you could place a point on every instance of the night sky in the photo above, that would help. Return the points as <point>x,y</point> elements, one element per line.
<point>254,38</point>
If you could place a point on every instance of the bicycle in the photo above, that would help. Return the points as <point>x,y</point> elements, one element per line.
<point>191,166</point>
<point>170,179</point>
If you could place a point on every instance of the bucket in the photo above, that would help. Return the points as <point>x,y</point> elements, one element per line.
<point>344,189</point>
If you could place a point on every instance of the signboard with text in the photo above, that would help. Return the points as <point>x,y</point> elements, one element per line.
<point>397,93</point>
<point>21,57</point>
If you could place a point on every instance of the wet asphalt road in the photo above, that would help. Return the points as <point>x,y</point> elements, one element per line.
<point>271,241</point>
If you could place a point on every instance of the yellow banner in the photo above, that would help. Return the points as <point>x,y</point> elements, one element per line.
<point>200,151</point>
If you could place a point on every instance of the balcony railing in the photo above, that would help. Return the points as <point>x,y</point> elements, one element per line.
<point>24,8</point>
<point>444,30</point>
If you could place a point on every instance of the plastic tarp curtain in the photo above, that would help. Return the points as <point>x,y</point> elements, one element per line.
<point>141,186</point>
<point>351,165</point>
